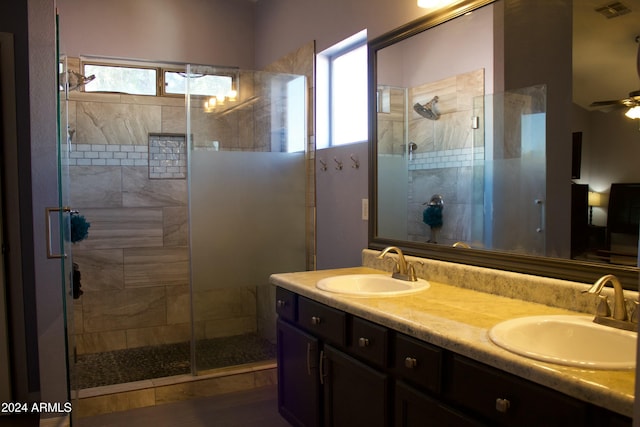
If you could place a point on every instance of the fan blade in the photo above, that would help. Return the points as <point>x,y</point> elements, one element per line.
<point>617,103</point>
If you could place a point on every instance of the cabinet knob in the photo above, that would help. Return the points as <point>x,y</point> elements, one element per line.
<point>410,362</point>
<point>363,342</point>
<point>281,303</point>
<point>502,405</point>
<point>315,320</point>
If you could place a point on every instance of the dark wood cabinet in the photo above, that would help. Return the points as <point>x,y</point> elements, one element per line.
<point>354,393</point>
<point>336,369</point>
<point>298,376</point>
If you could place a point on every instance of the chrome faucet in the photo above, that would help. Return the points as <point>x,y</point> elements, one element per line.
<point>619,319</point>
<point>402,270</point>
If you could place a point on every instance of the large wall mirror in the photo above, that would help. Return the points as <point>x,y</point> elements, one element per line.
<point>486,148</point>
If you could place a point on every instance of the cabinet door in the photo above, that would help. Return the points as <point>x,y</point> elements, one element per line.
<point>298,378</point>
<point>416,409</point>
<point>354,394</point>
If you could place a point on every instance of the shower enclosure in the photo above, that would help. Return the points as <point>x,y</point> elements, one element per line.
<point>191,207</point>
<point>459,153</point>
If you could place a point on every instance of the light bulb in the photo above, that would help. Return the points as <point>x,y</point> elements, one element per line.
<point>633,113</point>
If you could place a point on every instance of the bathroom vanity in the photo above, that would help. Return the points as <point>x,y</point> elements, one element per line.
<point>426,359</point>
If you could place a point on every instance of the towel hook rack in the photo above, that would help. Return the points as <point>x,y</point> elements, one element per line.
<point>324,165</point>
<point>356,163</point>
<point>339,163</point>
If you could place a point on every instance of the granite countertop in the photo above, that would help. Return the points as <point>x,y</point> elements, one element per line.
<point>458,320</point>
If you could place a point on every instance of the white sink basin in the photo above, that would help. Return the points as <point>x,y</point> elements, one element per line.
<point>567,340</point>
<point>371,285</point>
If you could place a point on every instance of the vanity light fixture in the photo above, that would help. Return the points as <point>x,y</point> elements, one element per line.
<point>210,104</point>
<point>433,4</point>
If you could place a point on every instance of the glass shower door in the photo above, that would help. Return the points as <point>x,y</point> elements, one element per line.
<point>513,171</point>
<point>246,210</point>
<point>63,215</point>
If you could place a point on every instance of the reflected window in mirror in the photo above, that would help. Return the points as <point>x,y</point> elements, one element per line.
<point>341,95</point>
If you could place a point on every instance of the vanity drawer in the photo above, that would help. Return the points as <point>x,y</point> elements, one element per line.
<point>286,304</point>
<point>369,341</point>
<point>322,321</point>
<point>418,362</point>
<point>507,400</point>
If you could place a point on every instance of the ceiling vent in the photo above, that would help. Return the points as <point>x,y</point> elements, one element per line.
<point>613,10</point>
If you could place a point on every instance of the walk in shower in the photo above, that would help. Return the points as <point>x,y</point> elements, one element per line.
<point>192,203</point>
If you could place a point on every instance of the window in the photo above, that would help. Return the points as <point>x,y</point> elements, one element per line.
<point>342,93</point>
<point>207,85</point>
<point>117,78</point>
<point>155,80</point>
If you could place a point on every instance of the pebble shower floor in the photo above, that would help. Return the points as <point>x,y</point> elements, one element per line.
<point>143,363</point>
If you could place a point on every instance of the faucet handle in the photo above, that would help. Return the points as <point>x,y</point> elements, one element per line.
<point>634,312</point>
<point>603,310</point>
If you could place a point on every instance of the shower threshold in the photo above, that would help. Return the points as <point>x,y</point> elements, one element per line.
<point>168,360</point>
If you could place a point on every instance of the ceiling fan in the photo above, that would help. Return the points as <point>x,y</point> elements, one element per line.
<point>632,102</point>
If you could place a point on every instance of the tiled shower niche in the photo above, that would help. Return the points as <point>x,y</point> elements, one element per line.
<point>167,156</point>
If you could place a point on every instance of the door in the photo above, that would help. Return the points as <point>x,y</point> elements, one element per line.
<point>354,394</point>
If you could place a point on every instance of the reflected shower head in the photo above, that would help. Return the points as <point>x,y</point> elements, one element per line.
<point>428,110</point>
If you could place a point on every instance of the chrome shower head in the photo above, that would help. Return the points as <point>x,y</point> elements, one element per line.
<point>75,80</point>
<point>427,110</point>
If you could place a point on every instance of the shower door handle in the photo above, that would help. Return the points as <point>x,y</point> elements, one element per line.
<point>47,222</point>
<point>540,228</point>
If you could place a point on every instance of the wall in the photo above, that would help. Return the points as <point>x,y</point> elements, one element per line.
<point>192,31</point>
<point>341,228</point>
<point>17,221</point>
<point>281,24</point>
